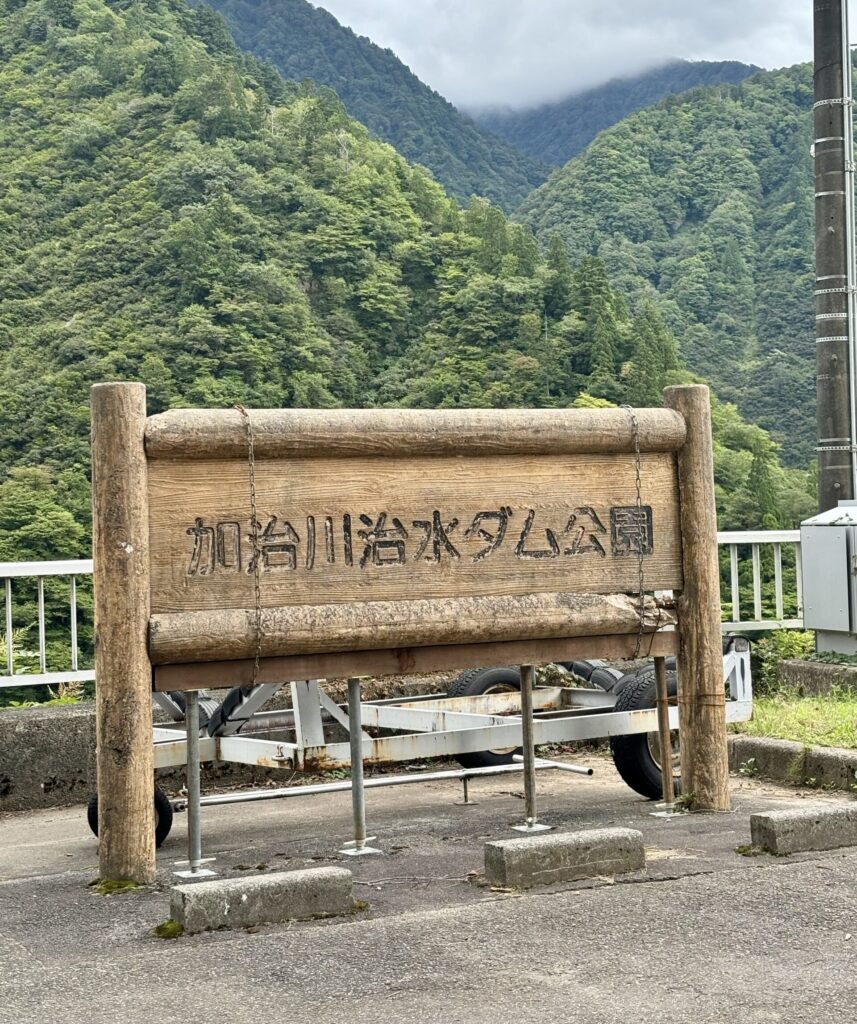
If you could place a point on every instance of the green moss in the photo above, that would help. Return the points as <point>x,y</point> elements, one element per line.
<point>169,929</point>
<point>749,850</point>
<point>111,886</point>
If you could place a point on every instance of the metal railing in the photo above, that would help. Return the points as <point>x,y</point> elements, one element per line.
<point>11,571</point>
<point>739,542</point>
<point>741,546</point>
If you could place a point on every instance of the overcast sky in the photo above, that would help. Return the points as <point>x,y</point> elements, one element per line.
<point>521,52</point>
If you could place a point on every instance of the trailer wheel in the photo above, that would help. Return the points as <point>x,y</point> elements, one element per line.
<point>637,757</point>
<point>163,815</point>
<point>474,683</point>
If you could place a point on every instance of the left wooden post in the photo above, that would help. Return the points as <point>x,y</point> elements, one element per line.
<point>120,544</point>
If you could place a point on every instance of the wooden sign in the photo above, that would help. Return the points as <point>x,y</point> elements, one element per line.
<point>342,530</point>
<point>404,507</point>
<point>238,548</point>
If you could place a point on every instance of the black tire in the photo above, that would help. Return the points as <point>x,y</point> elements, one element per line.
<point>633,755</point>
<point>163,815</point>
<point>606,678</point>
<point>594,672</point>
<point>583,669</point>
<point>208,707</point>
<point>474,683</point>
<point>639,673</point>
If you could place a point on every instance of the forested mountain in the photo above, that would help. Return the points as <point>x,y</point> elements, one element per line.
<point>173,212</point>
<point>555,132</point>
<point>704,204</point>
<point>306,42</point>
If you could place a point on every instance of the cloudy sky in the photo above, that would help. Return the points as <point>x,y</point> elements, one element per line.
<point>521,52</point>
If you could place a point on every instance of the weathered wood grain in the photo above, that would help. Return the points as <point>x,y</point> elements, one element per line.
<point>198,565</point>
<point>125,769</point>
<point>338,433</point>
<point>202,675</point>
<point>315,629</point>
<point>701,693</point>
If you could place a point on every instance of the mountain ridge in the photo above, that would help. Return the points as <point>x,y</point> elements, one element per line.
<point>304,41</point>
<point>557,131</point>
<point>704,203</point>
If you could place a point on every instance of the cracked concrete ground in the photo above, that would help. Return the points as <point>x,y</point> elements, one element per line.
<point>702,935</point>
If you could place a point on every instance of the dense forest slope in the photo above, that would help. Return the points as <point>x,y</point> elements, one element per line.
<point>173,212</point>
<point>555,132</point>
<point>306,42</point>
<point>705,204</point>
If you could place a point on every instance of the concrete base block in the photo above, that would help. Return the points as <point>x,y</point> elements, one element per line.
<point>807,828</point>
<point>47,757</point>
<point>780,760</point>
<point>563,857</point>
<point>817,679</point>
<point>264,899</point>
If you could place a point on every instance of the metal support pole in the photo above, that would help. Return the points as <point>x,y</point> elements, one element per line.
<point>531,824</point>
<point>664,741</point>
<point>194,831</point>
<point>358,796</point>
<point>834,254</point>
<point>465,801</point>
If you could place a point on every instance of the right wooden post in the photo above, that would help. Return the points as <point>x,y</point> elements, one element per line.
<point>701,691</point>
<point>123,693</point>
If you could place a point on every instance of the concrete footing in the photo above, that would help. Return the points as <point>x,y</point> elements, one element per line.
<point>563,857</point>
<point>264,899</point>
<point>793,763</point>
<point>807,828</point>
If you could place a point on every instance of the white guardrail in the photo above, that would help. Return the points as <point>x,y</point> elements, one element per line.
<point>27,572</point>
<point>741,545</point>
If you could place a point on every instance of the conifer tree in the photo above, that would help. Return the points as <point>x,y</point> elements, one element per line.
<point>558,288</point>
<point>602,381</point>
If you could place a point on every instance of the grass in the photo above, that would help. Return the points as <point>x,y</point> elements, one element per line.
<point>829,721</point>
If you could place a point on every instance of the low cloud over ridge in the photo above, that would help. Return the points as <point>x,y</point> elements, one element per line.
<point>519,53</point>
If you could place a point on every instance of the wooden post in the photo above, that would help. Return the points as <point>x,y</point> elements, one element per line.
<point>120,542</point>
<point>701,693</point>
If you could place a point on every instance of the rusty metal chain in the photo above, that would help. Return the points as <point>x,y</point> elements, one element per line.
<point>254,538</point>
<point>641,587</point>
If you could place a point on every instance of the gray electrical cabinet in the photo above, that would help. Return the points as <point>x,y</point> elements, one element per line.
<point>828,554</point>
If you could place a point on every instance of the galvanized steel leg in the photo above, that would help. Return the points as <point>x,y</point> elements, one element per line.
<point>194,831</point>
<point>358,796</point>
<point>531,824</point>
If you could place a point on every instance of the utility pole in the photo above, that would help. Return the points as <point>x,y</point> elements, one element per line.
<point>835,302</point>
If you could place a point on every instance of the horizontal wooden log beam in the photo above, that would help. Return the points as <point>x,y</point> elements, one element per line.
<point>319,433</point>
<point>224,635</point>
<point>216,674</point>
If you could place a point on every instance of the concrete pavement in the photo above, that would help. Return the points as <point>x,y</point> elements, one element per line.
<point>702,935</point>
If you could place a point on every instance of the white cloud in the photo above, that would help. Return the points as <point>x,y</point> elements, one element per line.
<point>522,52</point>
